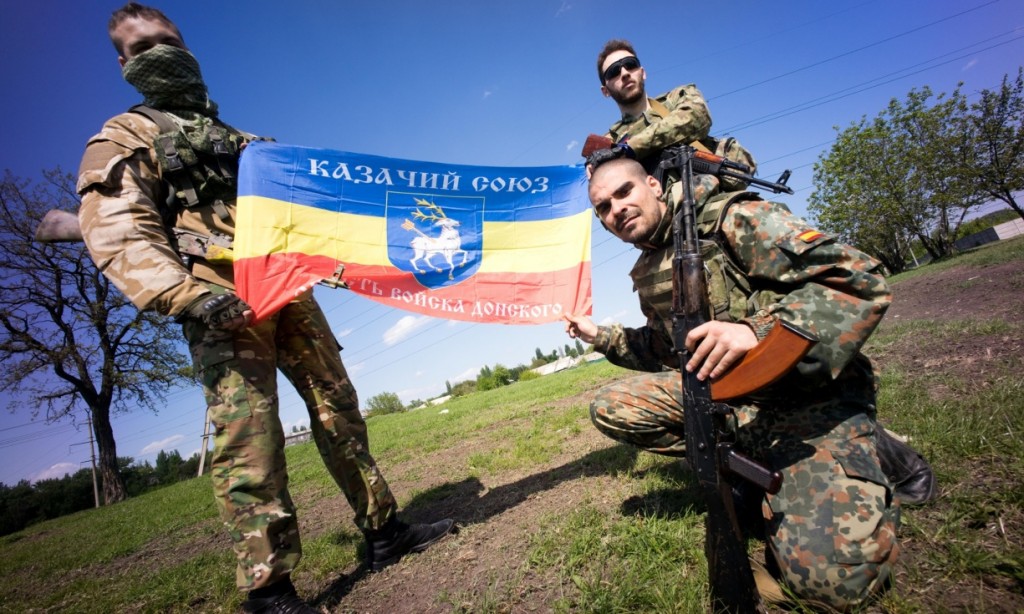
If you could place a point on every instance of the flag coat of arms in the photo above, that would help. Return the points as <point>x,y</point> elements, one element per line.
<point>506,245</point>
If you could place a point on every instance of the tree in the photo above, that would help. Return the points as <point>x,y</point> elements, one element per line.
<point>384,403</point>
<point>996,125</point>
<point>579,348</point>
<point>72,343</point>
<point>169,466</point>
<point>463,388</point>
<point>502,376</point>
<point>895,177</point>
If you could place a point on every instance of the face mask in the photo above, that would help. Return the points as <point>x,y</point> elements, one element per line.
<point>169,78</point>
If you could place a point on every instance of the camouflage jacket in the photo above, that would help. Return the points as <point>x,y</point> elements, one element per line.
<point>783,269</point>
<point>687,120</point>
<point>677,117</point>
<point>122,193</point>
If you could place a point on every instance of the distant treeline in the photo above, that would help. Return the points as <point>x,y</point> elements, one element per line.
<point>27,503</point>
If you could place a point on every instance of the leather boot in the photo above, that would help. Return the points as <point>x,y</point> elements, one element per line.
<point>278,598</point>
<point>387,545</point>
<point>910,474</point>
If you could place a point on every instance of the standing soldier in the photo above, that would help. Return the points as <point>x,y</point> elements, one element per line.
<point>162,177</point>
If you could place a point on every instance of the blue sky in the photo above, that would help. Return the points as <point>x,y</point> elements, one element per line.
<point>472,82</point>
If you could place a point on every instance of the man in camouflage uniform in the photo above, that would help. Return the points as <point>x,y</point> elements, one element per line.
<point>133,231</point>
<point>831,529</point>
<point>649,125</point>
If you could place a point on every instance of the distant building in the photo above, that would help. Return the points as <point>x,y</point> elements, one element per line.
<point>998,232</point>
<point>300,437</point>
<point>566,362</point>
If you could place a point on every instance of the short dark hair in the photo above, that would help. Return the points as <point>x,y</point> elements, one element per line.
<point>134,10</point>
<point>633,168</point>
<point>616,44</point>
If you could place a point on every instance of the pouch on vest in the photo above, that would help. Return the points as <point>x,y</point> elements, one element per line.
<point>199,162</point>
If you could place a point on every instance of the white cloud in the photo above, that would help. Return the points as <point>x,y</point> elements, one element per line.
<point>970,65</point>
<point>344,332</point>
<point>54,472</point>
<point>572,145</point>
<point>469,373</point>
<point>169,443</point>
<point>565,8</point>
<point>487,94</point>
<point>615,318</point>
<point>405,327</point>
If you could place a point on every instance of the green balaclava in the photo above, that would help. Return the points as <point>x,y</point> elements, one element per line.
<point>169,79</point>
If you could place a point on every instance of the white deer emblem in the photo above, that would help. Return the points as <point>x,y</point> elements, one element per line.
<point>448,243</point>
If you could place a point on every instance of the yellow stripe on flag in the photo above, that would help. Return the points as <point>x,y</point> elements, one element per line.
<point>527,247</point>
<point>276,226</point>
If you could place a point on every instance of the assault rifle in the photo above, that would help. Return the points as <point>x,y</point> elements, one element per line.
<point>710,444</point>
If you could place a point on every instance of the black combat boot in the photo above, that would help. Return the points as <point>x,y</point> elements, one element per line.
<point>909,472</point>
<point>278,598</point>
<point>396,539</point>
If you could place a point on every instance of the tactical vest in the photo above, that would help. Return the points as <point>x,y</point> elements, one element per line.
<point>198,165</point>
<point>732,296</point>
<point>199,168</point>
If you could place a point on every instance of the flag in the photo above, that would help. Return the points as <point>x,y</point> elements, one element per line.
<point>507,245</point>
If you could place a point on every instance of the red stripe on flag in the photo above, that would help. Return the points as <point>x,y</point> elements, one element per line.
<point>504,298</point>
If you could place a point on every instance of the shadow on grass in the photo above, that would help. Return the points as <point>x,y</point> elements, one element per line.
<point>467,503</point>
<point>464,502</point>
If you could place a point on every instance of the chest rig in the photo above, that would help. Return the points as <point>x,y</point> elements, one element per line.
<point>199,167</point>
<point>198,161</point>
<point>732,294</point>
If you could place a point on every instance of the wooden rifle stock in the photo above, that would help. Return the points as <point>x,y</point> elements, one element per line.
<point>781,349</point>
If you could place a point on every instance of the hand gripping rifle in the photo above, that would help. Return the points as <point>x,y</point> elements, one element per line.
<point>710,443</point>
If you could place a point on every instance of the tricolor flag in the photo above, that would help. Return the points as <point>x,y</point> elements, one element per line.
<point>483,244</point>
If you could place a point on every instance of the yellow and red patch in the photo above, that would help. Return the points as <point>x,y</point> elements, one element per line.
<point>809,236</point>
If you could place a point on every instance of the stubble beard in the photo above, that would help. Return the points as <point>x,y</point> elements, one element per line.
<point>624,99</point>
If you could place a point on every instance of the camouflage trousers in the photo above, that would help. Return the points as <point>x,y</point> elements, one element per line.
<point>831,529</point>
<point>250,481</point>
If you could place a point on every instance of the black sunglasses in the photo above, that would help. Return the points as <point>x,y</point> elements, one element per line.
<point>630,62</point>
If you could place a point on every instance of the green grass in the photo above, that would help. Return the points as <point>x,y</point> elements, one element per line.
<point>984,255</point>
<point>633,545</point>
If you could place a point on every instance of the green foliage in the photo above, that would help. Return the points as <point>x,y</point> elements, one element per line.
<point>384,403</point>
<point>912,174</point>
<point>463,388</point>
<point>996,125</point>
<point>528,375</point>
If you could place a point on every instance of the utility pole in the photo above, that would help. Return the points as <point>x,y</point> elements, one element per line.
<point>92,459</point>
<point>206,436</point>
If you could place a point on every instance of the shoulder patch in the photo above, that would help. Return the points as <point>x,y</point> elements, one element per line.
<point>809,236</point>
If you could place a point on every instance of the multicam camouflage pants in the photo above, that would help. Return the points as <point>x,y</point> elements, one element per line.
<point>250,480</point>
<point>831,529</point>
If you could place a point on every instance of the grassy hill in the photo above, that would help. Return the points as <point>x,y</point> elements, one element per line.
<point>555,517</point>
